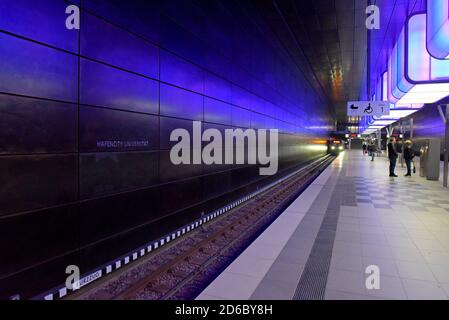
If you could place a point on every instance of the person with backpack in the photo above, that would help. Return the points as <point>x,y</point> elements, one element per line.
<point>408,157</point>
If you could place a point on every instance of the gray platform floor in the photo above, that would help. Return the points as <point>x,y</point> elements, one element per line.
<point>352,216</point>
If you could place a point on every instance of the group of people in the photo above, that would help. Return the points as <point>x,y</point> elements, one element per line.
<point>393,156</point>
<point>370,149</point>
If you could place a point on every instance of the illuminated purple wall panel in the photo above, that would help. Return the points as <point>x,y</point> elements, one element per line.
<point>176,102</point>
<point>217,64</point>
<point>40,21</point>
<point>30,69</point>
<point>104,86</point>
<point>142,18</point>
<point>217,87</point>
<point>258,121</point>
<point>241,117</point>
<point>181,41</point>
<point>105,42</point>
<point>180,72</point>
<point>216,111</point>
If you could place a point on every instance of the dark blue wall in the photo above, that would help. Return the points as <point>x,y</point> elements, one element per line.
<point>135,71</point>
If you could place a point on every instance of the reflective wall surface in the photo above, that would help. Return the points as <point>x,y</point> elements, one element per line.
<point>86,116</point>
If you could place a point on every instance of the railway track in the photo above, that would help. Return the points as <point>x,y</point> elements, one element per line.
<point>189,264</point>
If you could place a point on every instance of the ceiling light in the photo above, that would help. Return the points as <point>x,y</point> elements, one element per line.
<point>384,122</point>
<point>416,76</point>
<point>438,28</point>
<point>399,113</point>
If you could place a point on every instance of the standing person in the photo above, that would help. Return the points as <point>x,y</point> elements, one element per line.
<point>373,150</point>
<point>370,149</point>
<point>408,157</point>
<point>393,156</point>
<point>364,147</point>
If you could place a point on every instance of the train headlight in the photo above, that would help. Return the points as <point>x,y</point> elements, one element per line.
<point>340,147</point>
<point>333,148</point>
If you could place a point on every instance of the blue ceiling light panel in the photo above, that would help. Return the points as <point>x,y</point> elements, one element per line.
<point>391,97</point>
<point>438,28</point>
<point>417,77</point>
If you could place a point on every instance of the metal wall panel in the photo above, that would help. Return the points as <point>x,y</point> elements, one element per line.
<point>36,126</point>
<point>36,181</point>
<point>105,42</point>
<point>104,86</point>
<point>31,69</point>
<point>111,172</point>
<point>105,130</point>
<point>181,73</point>
<point>42,21</point>
<point>180,103</point>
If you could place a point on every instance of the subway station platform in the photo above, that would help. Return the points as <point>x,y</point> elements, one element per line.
<point>351,217</point>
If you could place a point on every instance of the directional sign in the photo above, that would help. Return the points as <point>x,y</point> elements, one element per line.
<point>368,108</point>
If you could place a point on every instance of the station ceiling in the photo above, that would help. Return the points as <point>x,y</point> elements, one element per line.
<point>328,41</point>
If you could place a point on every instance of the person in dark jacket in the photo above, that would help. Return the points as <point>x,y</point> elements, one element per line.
<point>373,149</point>
<point>393,156</point>
<point>364,147</point>
<point>408,157</point>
